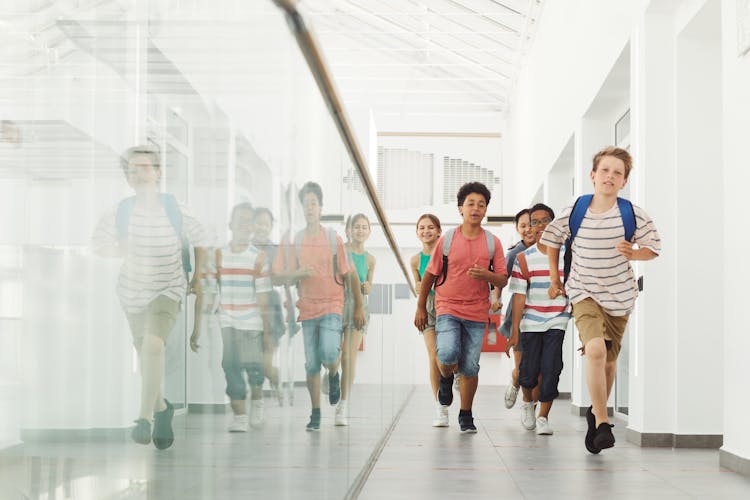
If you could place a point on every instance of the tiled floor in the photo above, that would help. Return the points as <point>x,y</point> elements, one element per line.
<point>503,460</point>
<point>419,461</point>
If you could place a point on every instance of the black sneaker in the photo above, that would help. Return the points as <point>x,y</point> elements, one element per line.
<point>334,389</point>
<point>466,422</point>
<point>445,391</point>
<point>163,435</point>
<point>141,433</point>
<point>604,438</point>
<point>591,432</point>
<point>314,423</point>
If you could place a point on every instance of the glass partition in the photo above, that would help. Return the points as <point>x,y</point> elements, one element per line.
<point>134,135</point>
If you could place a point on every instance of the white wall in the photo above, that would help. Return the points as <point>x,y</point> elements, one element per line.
<point>736,128</point>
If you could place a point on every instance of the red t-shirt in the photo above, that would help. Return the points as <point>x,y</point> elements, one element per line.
<point>460,295</point>
<point>319,294</point>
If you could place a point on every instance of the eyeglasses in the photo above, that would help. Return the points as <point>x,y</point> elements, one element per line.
<point>536,222</point>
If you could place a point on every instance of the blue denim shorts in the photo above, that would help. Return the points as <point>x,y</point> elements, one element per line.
<point>322,337</point>
<point>243,353</point>
<point>460,341</point>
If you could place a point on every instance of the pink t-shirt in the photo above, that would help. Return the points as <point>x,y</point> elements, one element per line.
<point>319,294</point>
<point>460,295</point>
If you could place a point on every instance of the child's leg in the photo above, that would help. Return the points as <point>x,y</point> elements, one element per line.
<point>530,365</point>
<point>151,355</point>
<point>310,335</point>
<point>230,363</point>
<point>447,344</point>
<point>596,378</point>
<point>329,342</point>
<point>517,356</point>
<point>349,349</point>
<point>269,349</point>
<point>551,367</point>
<point>429,342</point>
<point>472,335</point>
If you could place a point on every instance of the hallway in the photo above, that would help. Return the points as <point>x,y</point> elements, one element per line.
<point>503,460</point>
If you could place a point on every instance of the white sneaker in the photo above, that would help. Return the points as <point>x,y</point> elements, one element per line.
<point>543,427</point>
<point>342,413</point>
<point>257,417</point>
<point>456,382</point>
<point>441,416</point>
<point>238,424</point>
<point>528,415</point>
<point>511,393</point>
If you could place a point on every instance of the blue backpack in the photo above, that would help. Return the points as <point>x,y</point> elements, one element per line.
<point>169,202</point>
<point>576,217</point>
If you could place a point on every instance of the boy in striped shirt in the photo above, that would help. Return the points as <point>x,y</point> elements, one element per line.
<point>542,320</point>
<point>601,285</point>
<point>143,231</point>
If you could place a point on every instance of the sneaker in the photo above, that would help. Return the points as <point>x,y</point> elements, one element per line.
<point>528,416</point>
<point>334,388</point>
<point>542,427</point>
<point>314,423</point>
<point>511,393</point>
<point>604,438</point>
<point>163,435</point>
<point>238,424</point>
<point>341,418</point>
<point>441,417</point>
<point>141,433</point>
<point>278,394</point>
<point>457,382</point>
<point>591,432</point>
<point>466,422</point>
<point>445,391</point>
<point>257,417</point>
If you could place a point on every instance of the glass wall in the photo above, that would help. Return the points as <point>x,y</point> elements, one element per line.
<point>131,132</point>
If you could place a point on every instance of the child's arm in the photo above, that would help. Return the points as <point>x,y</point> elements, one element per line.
<point>415,272</point>
<point>200,257</point>
<point>354,285</point>
<point>556,287</point>
<point>495,303</point>
<point>643,253</point>
<point>518,302</point>
<point>367,285</point>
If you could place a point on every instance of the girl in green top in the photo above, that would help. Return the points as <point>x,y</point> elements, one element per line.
<point>357,232</point>
<point>428,232</point>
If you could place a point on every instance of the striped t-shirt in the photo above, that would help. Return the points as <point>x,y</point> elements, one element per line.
<point>540,313</point>
<point>243,275</point>
<point>598,270</point>
<point>152,263</point>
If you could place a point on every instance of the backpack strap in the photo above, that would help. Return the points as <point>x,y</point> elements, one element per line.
<point>578,213</point>
<point>490,248</point>
<point>521,258</point>
<point>628,217</point>
<point>447,242</point>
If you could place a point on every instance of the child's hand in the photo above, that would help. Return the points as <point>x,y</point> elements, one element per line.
<point>359,318</point>
<point>555,290</point>
<point>478,273</point>
<point>420,318</point>
<point>496,305</point>
<point>512,342</point>
<point>626,249</point>
<point>366,287</point>
<point>194,340</point>
<point>195,286</point>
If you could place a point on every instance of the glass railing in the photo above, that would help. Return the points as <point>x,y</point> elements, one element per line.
<point>134,135</point>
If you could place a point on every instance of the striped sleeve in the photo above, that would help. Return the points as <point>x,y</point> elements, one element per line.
<point>646,235</point>
<point>558,230</point>
<point>517,283</point>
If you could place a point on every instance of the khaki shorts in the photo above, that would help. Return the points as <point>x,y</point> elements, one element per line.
<point>593,322</point>
<point>157,319</point>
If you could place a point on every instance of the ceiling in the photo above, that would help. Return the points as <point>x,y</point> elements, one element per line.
<point>425,56</point>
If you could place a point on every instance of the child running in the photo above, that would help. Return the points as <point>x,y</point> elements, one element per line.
<point>601,284</point>
<point>466,261</point>
<point>428,232</point>
<point>245,284</point>
<point>364,264</point>
<point>542,321</point>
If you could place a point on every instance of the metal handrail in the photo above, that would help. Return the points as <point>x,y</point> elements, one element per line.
<point>310,49</point>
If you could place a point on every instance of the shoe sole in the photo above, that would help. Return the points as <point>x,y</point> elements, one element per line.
<point>440,424</point>
<point>544,433</point>
<point>468,431</point>
<point>311,429</point>
<point>237,430</point>
<point>603,443</point>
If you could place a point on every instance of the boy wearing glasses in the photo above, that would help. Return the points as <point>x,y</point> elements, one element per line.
<point>543,322</point>
<point>601,284</point>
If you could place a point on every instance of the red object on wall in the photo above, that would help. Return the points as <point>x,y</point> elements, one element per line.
<point>495,320</point>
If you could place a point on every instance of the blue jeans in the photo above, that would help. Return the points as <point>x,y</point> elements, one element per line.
<point>322,337</point>
<point>243,353</point>
<point>459,341</point>
<point>542,353</point>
